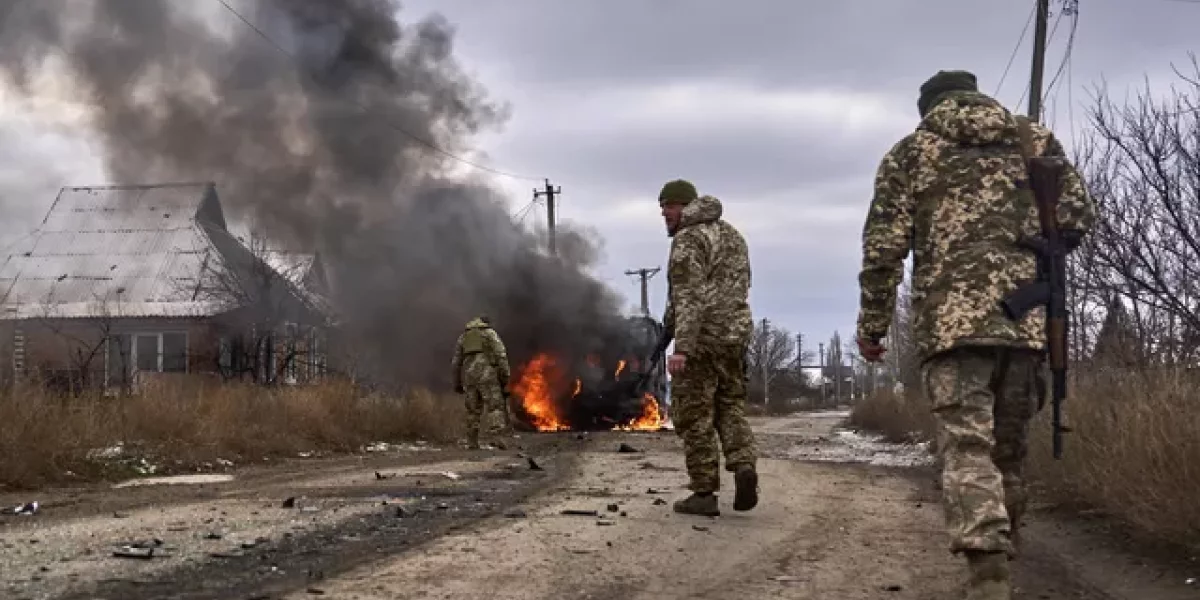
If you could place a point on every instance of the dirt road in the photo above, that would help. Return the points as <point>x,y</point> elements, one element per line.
<point>841,517</point>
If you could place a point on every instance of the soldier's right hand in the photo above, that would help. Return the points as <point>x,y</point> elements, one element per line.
<point>458,388</point>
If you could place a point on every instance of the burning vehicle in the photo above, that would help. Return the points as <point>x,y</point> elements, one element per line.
<point>621,386</point>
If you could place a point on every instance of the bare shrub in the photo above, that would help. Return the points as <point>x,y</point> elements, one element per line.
<point>897,417</point>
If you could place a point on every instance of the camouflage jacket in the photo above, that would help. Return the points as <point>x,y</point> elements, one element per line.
<point>480,357</point>
<point>949,192</point>
<point>708,281</point>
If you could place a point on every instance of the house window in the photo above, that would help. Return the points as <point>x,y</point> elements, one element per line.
<point>164,352</point>
<point>174,352</point>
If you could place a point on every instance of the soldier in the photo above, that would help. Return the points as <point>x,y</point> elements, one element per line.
<point>708,278</point>
<point>955,193</point>
<point>481,372</point>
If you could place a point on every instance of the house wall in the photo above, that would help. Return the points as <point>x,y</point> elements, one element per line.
<point>72,354</point>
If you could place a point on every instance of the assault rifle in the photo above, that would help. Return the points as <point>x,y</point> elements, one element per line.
<point>651,362</point>
<point>1050,287</point>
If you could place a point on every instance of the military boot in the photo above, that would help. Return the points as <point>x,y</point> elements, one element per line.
<point>696,504</point>
<point>989,579</point>
<point>745,481</point>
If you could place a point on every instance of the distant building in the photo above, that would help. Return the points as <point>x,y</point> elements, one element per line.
<point>123,284</point>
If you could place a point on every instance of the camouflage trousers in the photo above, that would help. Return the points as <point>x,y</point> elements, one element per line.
<point>983,400</point>
<point>485,402</point>
<point>708,403</point>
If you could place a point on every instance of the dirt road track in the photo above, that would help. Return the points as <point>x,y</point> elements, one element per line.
<point>826,528</point>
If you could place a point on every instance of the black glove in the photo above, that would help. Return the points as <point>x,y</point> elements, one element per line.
<point>458,388</point>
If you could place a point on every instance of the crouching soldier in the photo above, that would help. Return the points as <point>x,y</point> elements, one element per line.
<point>481,373</point>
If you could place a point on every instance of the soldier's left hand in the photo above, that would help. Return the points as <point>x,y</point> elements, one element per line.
<point>676,364</point>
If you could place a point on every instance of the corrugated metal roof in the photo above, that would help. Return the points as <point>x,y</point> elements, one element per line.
<point>116,250</point>
<point>292,265</point>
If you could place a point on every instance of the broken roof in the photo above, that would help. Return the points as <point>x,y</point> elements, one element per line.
<point>125,250</point>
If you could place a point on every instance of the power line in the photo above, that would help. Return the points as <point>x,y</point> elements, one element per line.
<point>523,214</point>
<point>365,109</point>
<point>1017,49</point>
<point>1067,52</point>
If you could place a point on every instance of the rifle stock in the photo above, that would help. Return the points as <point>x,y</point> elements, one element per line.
<point>1050,288</point>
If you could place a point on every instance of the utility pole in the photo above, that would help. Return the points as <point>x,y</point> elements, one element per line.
<point>1039,61</point>
<point>821,351</point>
<point>645,275</point>
<point>549,192</point>
<point>762,359</point>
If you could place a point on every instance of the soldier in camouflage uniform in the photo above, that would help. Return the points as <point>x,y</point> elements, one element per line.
<point>955,193</point>
<point>481,372</point>
<point>708,278</point>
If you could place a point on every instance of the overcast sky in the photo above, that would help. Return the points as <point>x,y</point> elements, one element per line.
<point>780,108</point>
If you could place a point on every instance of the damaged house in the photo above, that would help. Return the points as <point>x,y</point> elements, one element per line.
<point>121,285</point>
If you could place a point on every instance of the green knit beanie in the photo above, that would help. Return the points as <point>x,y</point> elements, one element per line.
<point>944,82</point>
<point>679,191</point>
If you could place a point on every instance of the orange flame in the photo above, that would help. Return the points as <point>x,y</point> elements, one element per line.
<point>533,387</point>
<point>541,380</point>
<point>620,367</point>
<point>651,418</point>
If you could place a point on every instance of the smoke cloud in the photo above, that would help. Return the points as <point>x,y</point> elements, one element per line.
<point>325,149</point>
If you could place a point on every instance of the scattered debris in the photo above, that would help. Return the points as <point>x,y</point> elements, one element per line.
<point>381,476</point>
<point>614,507</point>
<point>654,491</point>
<point>699,528</point>
<point>572,512</point>
<point>316,591</point>
<point>131,552</point>
<point>605,523</point>
<point>142,550</point>
<point>401,513</point>
<point>627,449</point>
<point>533,466</point>
<point>893,588</point>
<point>659,502</point>
<point>443,506</point>
<point>213,536</point>
<point>515,513</point>
<point>290,502</point>
<point>787,578</point>
<point>26,510</point>
<point>451,475</point>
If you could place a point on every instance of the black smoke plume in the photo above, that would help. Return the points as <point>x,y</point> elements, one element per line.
<point>323,145</point>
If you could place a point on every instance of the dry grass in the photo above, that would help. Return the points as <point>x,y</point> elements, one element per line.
<point>898,418</point>
<point>47,439</point>
<point>1134,453</point>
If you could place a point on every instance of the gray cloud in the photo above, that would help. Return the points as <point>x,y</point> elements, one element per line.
<point>798,187</point>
